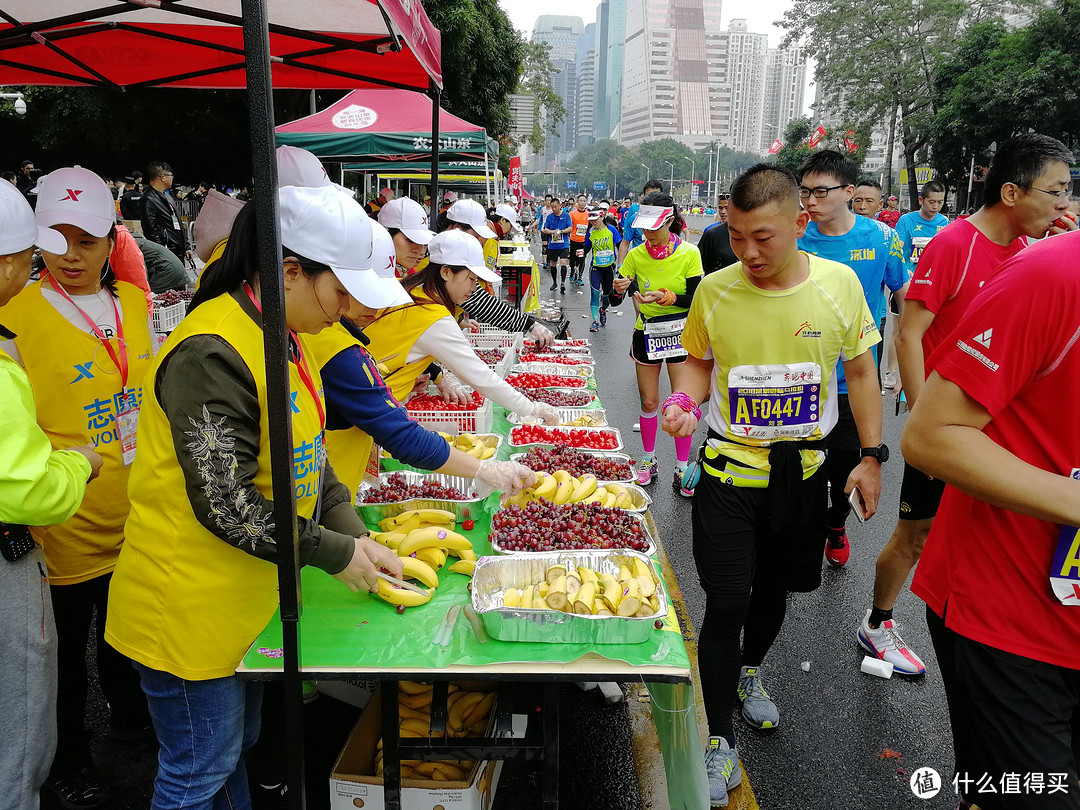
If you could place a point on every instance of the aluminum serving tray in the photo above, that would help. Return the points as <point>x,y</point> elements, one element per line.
<point>498,549</point>
<point>583,357</point>
<point>592,394</point>
<point>554,369</point>
<point>618,438</point>
<point>565,415</point>
<point>374,512</point>
<point>639,494</point>
<point>519,457</point>
<point>493,574</point>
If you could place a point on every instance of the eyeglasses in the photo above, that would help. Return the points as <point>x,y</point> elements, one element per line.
<point>819,192</point>
<point>1060,195</point>
<point>723,196</point>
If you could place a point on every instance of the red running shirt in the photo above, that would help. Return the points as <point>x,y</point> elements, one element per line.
<point>952,269</point>
<point>890,218</point>
<point>1016,353</point>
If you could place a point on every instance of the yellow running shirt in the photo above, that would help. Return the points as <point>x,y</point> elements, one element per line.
<point>774,353</point>
<point>667,274</point>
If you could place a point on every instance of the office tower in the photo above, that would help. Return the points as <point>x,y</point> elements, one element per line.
<point>585,123</point>
<point>785,83</point>
<point>610,46</point>
<point>561,32</point>
<point>747,56</point>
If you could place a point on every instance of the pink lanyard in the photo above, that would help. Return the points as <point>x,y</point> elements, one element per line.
<point>121,361</point>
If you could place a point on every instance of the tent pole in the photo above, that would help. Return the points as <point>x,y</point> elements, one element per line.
<point>277,351</point>
<point>436,104</point>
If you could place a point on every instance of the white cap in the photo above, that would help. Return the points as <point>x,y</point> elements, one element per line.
<point>507,212</point>
<point>76,197</point>
<point>299,167</point>
<point>409,217</point>
<point>20,230</point>
<point>458,249</point>
<point>325,226</point>
<point>512,198</point>
<point>651,217</point>
<point>471,213</point>
<point>385,290</point>
<point>596,213</point>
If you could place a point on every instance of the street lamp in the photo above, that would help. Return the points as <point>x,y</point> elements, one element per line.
<point>20,102</point>
<point>693,172</point>
<point>648,171</point>
<point>671,181</point>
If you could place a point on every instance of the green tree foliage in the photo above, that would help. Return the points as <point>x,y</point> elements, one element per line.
<point>796,147</point>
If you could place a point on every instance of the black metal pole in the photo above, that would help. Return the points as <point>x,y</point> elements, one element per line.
<point>436,106</point>
<point>276,347</point>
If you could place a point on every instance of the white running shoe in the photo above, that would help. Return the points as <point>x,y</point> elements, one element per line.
<point>885,644</point>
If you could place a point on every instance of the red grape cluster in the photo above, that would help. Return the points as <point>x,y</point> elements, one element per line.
<point>491,356</point>
<point>428,402</point>
<point>396,488</point>
<point>553,358</point>
<point>170,297</point>
<point>560,346</point>
<point>577,463</point>
<point>574,437</point>
<point>542,526</point>
<point>533,380</point>
<point>560,399</point>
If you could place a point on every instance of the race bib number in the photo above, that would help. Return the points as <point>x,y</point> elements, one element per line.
<point>580,229</point>
<point>1065,570</point>
<point>663,339</point>
<point>580,253</point>
<point>127,423</point>
<point>603,258</point>
<point>557,241</point>
<point>918,245</point>
<point>773,402</point>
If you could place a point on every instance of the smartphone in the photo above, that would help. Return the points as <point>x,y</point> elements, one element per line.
<point>901,404</point>
<point>857,505</point>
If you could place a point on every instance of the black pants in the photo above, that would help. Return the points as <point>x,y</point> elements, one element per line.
<point>76,608</point>
<point>577,263</point>
<point>842,457</point>
<point>746,571</point>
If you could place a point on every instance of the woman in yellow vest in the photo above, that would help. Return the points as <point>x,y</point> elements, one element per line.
<point>196,580</point>
<point>84,341</point>
<point>406,340</point>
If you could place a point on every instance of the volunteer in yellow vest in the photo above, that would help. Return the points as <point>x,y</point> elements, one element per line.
<point>661,275</point>
<point>407,223</point>
<point>84,341</point>
<point>407,339</point>
<point>361,411</point>
<point>763,339</point>
<point>196,580</point>
<point>39,486</point>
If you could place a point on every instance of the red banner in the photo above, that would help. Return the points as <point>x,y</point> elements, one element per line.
<point>818,136</point>
<point>850,142</point>
<point>777,145</point>
<point>514,181</point>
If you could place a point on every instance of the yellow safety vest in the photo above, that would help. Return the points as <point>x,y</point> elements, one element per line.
<point>392,335</point>
<point>77,393</point>
<point>182,599</point>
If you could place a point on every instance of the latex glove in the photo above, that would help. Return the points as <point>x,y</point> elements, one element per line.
<point>546,413</point>
<point>543,336</point>
<point>451,391</point>
<point>503,476</point>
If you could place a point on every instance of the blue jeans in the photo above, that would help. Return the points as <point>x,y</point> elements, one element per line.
<point>203,728</point>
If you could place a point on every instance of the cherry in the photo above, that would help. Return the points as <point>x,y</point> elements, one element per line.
<point>400,609</point>
<point>468,525</point>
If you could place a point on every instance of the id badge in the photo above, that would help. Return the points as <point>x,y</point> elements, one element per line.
<point>127,423</point>
<point>175,222</point>
<point>1065,570</point>
<point>663,339</point>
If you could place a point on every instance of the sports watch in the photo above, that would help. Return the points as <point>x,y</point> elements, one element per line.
<point>881,453</point>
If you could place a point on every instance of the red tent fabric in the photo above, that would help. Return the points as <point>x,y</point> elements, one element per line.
<point>376,112</point>
<point>199,43</point>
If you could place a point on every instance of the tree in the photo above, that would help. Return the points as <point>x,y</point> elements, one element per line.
<point>548,108</point>
<point>604,161</point>
<point>796,146</point>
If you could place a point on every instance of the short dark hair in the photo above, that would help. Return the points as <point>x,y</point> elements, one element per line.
<point>829,161</point>
<point>871,182</point>
<point>205,184</point>
<point>157,168</point>
<point>1021,160</point>
<point>26,163</point>
<point>652,185</point>
<point>556,200</point>
<point>762,184</point>
<point>581,197</point>
<point>9,176</point>
<point>932,187</point>
<point>659,198</point>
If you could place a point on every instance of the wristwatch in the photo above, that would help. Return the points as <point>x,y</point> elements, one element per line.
<point>881,453</point>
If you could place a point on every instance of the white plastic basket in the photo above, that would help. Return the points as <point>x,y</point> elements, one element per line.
<point>489,337</point>
<point>455,422</point>
<point>168,318</point>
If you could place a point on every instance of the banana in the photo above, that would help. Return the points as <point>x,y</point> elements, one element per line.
<point>463,567</point>
<point>476,451</point>
<point>432,536</point>
<point>415,701</point>
<point>527,597</point>
<point>641,569</point>
<point>511,597</point>
<point>516,500</point>
<point>546,487</point>
<point>414,568</point>
<point>646,585</point>
<point>488,453</point>
<point>435,557</point>
<point>542,589</point>
<point>624,501</point>
<point>410,525</point>
<point>618,489</point>
<point>556,595</point>
<point>598,495</point>
<point>414,688</point>
<point>387,524</point>
<point>609,500</point>
<point>586,486</point>
<point>462,553</point>
<point>436,517</point>
<point>402,596</point>
<point>583,601</point>
<point>421,726</point>
<point>586,574</point>
<point>479,711</point>
<point>405,713</point>
<point>388,539</point>
<point>446,436</point>
<point>456,716</point>
<point>565,487</point>
<point>445,772</point>
<point>554,572</point>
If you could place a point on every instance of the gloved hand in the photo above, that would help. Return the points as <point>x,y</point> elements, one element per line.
<point>543,336</point>
<point>451,390</point>
<point>503,476</point>
<point>545,412</point>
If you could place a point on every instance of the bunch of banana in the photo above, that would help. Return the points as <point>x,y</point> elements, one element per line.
<point>586,420</point>
<point>562,488</point>
<point>412,519</point>
<point>423,552</point>
<point>476,446</point>
<point>583,591</point>
<point>468,708</point>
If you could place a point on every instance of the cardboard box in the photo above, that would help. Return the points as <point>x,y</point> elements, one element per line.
<point>353,783</point>
<point>355,693</point>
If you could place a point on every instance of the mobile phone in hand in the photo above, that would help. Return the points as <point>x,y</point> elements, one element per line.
<point>857,505</point>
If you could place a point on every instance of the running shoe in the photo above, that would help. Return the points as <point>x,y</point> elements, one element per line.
<point>603,317</point>
<point>757,707</point>
<point>553,286</point>
<point>80,789</point>
<point>595,326</point>
<point>646,470</point>
<point>723,770</point>
<point>837,547</point>
<point>885,644</point>
<point>562,289</point>
<point>686,492</point>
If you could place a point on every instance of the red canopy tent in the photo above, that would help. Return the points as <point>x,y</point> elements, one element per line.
<point>257,45</point>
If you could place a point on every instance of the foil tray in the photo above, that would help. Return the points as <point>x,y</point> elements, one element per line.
<point>554,369</point>
<point>493,574</point>
<point>372,513</point>
<point>565,415</point>
<point>519,457</point>
<point>638,516</point>
<point>618,436</point>
<point>640,496</point>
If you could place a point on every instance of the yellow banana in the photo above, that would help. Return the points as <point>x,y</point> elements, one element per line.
<point>388,539</point>
<point>641,568</point>
<point>401,596</point>
<point>479,711</point>
<point>435,557</point>
<point>598,495</point>
<point>623,501</point>
<point>511,597</point>
<point>410,525</point>
<point>414,568</point>
<point>527,597</point>
<point>462,553</point>
<point>565,487</point>
<point>463,567</point>
<point>476,451</point>
<point>432,536</point>
<point>405,713</point>
<point>609,500</point>
<point>586,486</point>
<point>420,726</point>
<point>415,701</point>
<point>414,688</point>
<point>488,453</point>
<point>436,517</point>
<point>546,487</point>
<point>456,717</point>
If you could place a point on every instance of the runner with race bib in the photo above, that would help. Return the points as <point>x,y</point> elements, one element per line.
<point>661,275</point>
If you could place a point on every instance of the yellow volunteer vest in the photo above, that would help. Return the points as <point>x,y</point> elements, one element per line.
<point>183,600</point>
<point>77,393</point>
<point>392,335</point>
<point>347,451</point>
<point>491,255</point>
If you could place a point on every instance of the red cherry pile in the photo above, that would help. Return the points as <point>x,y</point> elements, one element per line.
<point>542,526</point>
<point>560,399</point>
<point>577,463</point>
<point>170,297</point>
<point>553,358</point>
<point>397,488</point>
<point>491,356</point>
<point>574,437</point>
<point>429,402</point>
<point>533,380</point>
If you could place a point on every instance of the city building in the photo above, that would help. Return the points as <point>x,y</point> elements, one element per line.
<point>610,46</point>
<point>785,87</point>
<point>585,117</point>
<point>561,33</point>
<point>747,55</point>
